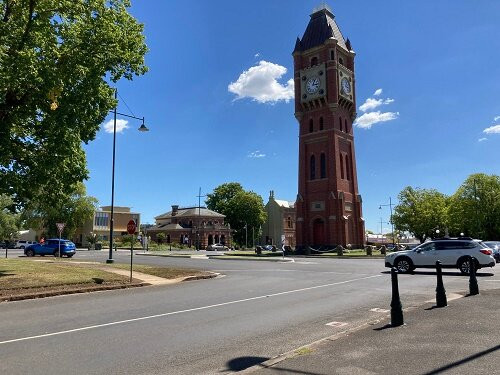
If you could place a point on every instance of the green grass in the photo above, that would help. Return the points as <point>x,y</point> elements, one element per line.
<point>16,274</point>
<point>165,272</point>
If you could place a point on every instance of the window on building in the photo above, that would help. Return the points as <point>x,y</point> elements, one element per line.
<point>332,54</point>
<point>341,61</point>
<point>289,222</point>
<point>101,219</point>
<point>311,125</point>
<point>347,169</point>
<point>341,166</point>
<point>321,123</point>
<point>314,61</point>
<point>322,168</point>
<point>312,166</point>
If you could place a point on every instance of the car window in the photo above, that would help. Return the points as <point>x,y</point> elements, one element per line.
<point>427,246</point>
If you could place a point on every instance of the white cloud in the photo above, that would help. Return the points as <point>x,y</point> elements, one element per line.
<point>377,92</point>
<point>260,83</point>
<point>495,129</point>
<point>496,118</point>
<point>372,103</point>
<point>366,120</point>
<point>256,55</point>
<point>121,125</point>
<point>482,139</point>
<point>256,154</point>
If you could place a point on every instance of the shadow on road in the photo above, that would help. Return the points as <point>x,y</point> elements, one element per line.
<point>241,363</point>
<point>445,273</point>
<point>462,361</point>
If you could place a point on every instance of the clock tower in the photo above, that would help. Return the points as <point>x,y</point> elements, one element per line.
<point>328,202</point>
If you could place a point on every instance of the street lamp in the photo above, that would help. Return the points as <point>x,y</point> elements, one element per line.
<point>392,224</point>
<point>142,128</point>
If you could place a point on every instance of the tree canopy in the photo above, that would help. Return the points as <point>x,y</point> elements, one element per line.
<point>242,208</point>
<point>474,210</point>
<point>57,59</point>
<point>420,212</point>
<point>9,221</point>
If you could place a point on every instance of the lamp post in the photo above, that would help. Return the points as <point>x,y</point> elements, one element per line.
<point>142,128</point>
<point>392,224</point>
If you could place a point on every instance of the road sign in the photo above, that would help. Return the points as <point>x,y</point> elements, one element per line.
<point>131,226</point>
<point>60,226</point>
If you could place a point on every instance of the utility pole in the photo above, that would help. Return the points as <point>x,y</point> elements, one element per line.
<point>199,219</point>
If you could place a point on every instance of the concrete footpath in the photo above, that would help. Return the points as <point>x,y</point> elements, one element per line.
<point>462,338</point>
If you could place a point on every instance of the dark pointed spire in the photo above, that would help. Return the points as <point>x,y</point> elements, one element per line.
<point>348,44</point>
<point>298,47</point>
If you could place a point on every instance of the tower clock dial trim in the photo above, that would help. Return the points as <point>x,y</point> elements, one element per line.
<point>346,86</point>
<point>312,85</point>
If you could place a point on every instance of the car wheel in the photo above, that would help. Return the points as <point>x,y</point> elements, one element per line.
<point>22,247</point>
<point>403,265</point>
<point>30,253</point>
<point>56,253</point>
<point>464,266</point>
<point>69,255</point>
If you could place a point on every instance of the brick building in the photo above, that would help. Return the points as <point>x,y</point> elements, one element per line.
<point>328,202</point>
<point>192,226</point>
<point>280,221</point>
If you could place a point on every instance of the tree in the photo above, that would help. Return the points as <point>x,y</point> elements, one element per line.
<point>474,209</point>
<point>9,221</point>
<point>56,58</point>
<point>74,210</point>
<point>420,212</point>
<point>244,210</point>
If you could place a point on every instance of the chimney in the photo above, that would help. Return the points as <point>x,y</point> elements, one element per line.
<point>175,208</point>
<point>271,194</point>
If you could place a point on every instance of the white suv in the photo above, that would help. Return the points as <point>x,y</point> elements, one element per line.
<point>21,244</point>
<point>451,252</point>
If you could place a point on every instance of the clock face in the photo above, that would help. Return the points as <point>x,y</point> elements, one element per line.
<point>312,85</point>
<point>346,86</point>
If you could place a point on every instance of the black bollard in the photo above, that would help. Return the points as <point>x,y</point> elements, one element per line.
<point>473,287</point>
<point>396,307</point>
<point>441,300</point>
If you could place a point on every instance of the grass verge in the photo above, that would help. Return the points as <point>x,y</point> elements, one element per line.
<point>165,272</point>
<point>18,277</point>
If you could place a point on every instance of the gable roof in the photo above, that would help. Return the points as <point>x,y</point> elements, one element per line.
<point>321,27</point>
<point>191,212</point>
<point>286,204</point>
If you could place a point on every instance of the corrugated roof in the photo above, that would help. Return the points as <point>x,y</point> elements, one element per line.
<point>321,27</point>
<point>191,212</point>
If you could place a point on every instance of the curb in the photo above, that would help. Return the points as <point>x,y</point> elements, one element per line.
<point>70,291</point>
<point>262,259</point>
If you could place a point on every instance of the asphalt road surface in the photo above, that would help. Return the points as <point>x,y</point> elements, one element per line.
<point>254,311</point>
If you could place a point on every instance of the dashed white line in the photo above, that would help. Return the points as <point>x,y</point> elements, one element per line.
<point>183,311</point>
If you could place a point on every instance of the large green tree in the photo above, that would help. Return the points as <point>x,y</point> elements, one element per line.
<point>9,220</point>
<point>474,209</point>
<point>58,59</point>
<point>420,212</point>
<point>74,210</point>
<point>242,208</point>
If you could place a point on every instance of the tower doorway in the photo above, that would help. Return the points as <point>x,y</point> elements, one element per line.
<point>318,232</point>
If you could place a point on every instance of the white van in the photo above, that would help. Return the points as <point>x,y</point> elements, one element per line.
<point>21,244</point>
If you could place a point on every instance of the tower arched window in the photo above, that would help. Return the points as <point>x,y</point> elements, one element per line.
<point>347,169</point>
<point>312,168</point>
<point>314,61</point>
<point>341,61</point>
<point>289,222</point>
<point>311,126</point>
<point>341,166</point>
<point>321,123</point>
<point>322,166</point>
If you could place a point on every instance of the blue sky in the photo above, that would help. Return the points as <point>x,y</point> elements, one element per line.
<point>436,62</point>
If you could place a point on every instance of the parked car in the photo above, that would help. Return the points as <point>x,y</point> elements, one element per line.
<point>451,252</point>
<point>495,247</point>
<point>217,247</point>
<point>51,247</point>
<point>22,244</point>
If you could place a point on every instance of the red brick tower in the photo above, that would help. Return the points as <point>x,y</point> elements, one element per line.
<point>328,202</point>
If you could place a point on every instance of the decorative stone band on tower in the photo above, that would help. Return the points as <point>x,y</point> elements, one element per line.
<point>328,202</point>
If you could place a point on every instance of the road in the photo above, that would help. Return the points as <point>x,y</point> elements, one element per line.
<point>255,310</point>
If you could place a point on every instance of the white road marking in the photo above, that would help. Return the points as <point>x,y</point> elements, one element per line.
<point>336,324</point>
<point>378,309</point>
<point>184,311</point>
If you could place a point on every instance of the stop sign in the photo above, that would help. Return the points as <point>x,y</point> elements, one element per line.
<point>131,226</point>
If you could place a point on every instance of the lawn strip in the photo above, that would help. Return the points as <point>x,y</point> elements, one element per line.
<point>165,272</point>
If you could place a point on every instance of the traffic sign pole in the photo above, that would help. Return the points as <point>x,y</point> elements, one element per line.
<point>131,227</point>
<point>60,227</point>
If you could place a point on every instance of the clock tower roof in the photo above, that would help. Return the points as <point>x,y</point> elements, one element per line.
<point>321,27</point>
